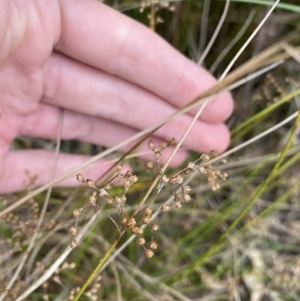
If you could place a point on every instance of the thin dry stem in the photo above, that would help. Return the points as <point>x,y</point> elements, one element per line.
<point>232,42</point>
<point>59,261</point>
<point>214,37</point>
<point>249,40</point>
<point>42,214</point>
<point>266,57</point>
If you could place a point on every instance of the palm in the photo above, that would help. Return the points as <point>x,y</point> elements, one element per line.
<point>21,75</point>
<point>55,56</point>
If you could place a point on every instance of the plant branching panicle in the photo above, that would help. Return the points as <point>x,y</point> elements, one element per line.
<point>101,197</point>
<point>155,6</point>
<point>201,165</point>
<point>216,232</point>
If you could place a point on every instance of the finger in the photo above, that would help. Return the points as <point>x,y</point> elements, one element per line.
<point>21,167</point>
<point>136,54</point>
<point>84,89</point>
<point>44,122</point>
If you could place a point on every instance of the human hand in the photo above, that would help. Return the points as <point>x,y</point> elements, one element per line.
<point>112,76</point>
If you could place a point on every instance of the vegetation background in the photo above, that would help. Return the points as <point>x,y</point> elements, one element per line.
<point>229,244</point>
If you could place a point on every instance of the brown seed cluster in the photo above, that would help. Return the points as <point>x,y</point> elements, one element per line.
<point>212,174</point>
<point>100,197</point>
<point>4,293</point>
<point>24,219</point>
<point>155,6</point>
<point>72,293</point>
<point>92,293</point>
<point>182,195</point>
<point>286,274</point>
<point>55,278</point>
<point>136,228</point>
<point>274,87</point>
<point>127,223</point>
<point>157,152</point>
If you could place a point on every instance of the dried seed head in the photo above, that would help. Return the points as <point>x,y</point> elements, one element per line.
<point>187,189</point>
<point>159,20</point>
<point>64,266</point>
<point>77,212</point>
<point>205,157</point>
<point>187,198</point>
<point>192,166</point>
<point>131,223</point>
<point>153,245</point>
<point>149,253</point>
<point>119,176</point>
<point>123,209</point>
<point>109,200</point>
<point>202,169</point>
<point>172,141</point>
<point>164,180</point>
<point>4,293</point>
<point>165,207</point>
<point>137,230</point>
<point>172,180</point>
<point>141,241</point>
<point>148,211</point>
<point>50,224</point>
<point>118,200</point>
<point>177,195</point>
<point>157,156</point>
<point>163,145</point>
<point>80,177</point>
<point>89,183</point>
<point>187,171</point>
<point>145,220</point>
<point>102,192</point>
<point>93,200</point>
<point>215,186</point>
<point>151,144</point>
<point>213,153</point>
<point>156,150</point>
<point>124,221</point>
<point>155,227</point>
<point>73,243</point>
<point>150,165</point>
<point>224,175</point>
<point>134,230</point>
<point>128,174</point>
<point>73,230</point>
<point>106,187</point>
<point>177,204</point>
<point>127,183</point>
<point>179,180</point>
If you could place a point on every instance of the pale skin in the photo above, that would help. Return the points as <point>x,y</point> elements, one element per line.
<point>112,76</point>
